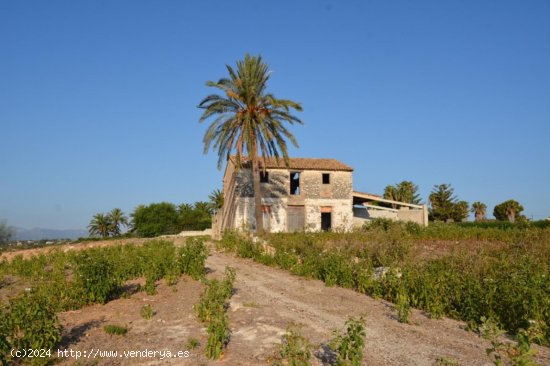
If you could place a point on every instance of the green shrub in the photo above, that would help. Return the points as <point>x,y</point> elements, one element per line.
<point>114,329</point>
<point>147,312</point>
<point>349,345</point>
<point>295,349</point>
<point>336,270</point>
<point>192,256</point>
<point>403,307</point>
<point>218,336</point>
<point>94,277</point>
<point>28,322</point>
<point>192,343</point>
<point>515,354</point>
<point>150,284</point>
<point>211,309</point>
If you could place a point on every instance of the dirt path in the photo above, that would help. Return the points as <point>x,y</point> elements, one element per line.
<point>268,299</point>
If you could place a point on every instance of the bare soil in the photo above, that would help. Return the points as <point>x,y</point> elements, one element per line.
<point>265,302</point>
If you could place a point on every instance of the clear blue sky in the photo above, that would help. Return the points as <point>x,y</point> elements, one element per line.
<point>98,99</point>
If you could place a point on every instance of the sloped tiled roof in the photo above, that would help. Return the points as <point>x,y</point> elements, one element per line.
<point>304,164</point>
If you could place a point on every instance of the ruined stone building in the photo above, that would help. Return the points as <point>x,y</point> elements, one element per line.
<point>309,195</point>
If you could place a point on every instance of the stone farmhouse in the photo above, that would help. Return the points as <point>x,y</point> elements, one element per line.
<point>309,195</point>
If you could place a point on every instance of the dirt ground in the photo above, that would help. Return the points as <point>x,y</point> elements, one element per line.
<point>265,302</point>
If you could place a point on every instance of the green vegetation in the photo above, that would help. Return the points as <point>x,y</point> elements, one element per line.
<point>446,207</point>
<point>403,305</point>
<point>60,281</point>
<point>155,219</point>
<point>211,309</point>
<point>479,209</point>
<point>147,312</point>
<point>106,225</point>
<point>117,218</point>
<point>28,322</point>
<point>463,271</point>
<point>216,200</point>
<point>349,345</point>
<point>447,361</point>
<point>248,120</point>
<point>114,329</point>
<point>509,211</point>
<point>192,343</point>
<point>165,218</point>
<point>506,353</point>
<point>94,277</point>
<point>406,191</point>
<point>295,349</point>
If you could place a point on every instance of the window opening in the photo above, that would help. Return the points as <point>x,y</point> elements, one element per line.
<point>264,176</point>
<point>295,183</point>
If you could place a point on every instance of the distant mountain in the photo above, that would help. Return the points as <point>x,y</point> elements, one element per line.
<point>39,233</point>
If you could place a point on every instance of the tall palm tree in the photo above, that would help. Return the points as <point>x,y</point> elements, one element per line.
<point>100,225</point>
<point>117,218</point>
<point>250,122</point>
<point>480,210</point>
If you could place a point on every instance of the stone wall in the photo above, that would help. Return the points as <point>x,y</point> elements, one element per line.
<point>341,213</point>
<point>335,197</point>
<point>362,215</point>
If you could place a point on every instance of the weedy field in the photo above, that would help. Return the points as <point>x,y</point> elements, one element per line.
<point>391,294</point>
<point>36,289</point>
<point>463,272</point>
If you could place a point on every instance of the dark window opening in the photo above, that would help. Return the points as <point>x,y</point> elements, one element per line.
<point>264,177</point>
<point>326,178</point>
<point>326,221</point>
<point>295,183</point>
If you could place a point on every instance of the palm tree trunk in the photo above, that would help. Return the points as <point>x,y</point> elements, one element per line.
<point>258,214</point>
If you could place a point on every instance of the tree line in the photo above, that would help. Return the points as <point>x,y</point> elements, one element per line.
<point>156,219</point>
<point>445,206</point>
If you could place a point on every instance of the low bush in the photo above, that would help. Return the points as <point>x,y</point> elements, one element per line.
<point>295,349</point>
<point>191,258</point>
<point>114,329</point>
<point>147,312</point>
<point>211,309</point>
<point>94,277</point>
<point>350,344</point>
<point>28,322</point>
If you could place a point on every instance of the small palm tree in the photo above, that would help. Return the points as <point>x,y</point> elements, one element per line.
<point>480,210</point>
<point>406,192</point>
<point>117,218</point>
<point>100,225</point>
<point>216,200</point>
<point>390,193</point>
<point>250,122</point>
<point>508,210</point>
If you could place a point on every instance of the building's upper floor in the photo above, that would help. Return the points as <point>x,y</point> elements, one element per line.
<point>305,178</point>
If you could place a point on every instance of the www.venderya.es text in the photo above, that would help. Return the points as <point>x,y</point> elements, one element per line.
<point>143,353</point>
